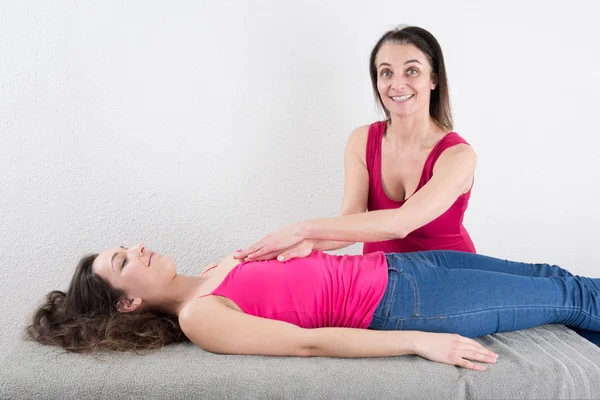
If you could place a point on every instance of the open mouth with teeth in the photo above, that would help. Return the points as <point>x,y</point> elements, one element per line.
<point>402,98</point>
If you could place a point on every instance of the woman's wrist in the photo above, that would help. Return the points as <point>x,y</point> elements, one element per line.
<point>303,229</point>
<point>412,341</point>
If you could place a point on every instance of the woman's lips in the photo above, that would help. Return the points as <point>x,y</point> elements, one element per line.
<point>400,99</point>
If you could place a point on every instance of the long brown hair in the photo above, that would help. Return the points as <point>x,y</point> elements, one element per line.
<point>439,106</point>
<point>85,318</point>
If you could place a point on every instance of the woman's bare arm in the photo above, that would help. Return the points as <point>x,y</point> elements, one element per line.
<point>453,176</point>
<point>215,327</point>
<point>354,201</point>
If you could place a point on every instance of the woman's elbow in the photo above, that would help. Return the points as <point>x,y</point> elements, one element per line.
<point>401,225</point>
<point>307,351</point>
<point>396,230</point>
<point>401,234</point>
<point>313,343</point>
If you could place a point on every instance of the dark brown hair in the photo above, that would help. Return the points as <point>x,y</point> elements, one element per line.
<point>85,318</point>
<point>439,106</point>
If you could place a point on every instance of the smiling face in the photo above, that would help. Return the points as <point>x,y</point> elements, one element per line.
<point>404,79</point>
<point>141,273</point>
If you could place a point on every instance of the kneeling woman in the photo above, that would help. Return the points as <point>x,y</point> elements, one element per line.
<point>425,303</point>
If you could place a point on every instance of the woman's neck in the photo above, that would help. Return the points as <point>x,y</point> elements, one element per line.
<point>177,294</point>
<point>411,131</point>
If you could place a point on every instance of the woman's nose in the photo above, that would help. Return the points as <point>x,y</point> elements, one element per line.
<point>398,83</point>
<point>138,249</point>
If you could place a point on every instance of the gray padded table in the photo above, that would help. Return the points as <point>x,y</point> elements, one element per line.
<point>538,363</point>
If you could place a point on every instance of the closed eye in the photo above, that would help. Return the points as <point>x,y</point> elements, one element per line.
<point>125,259</point>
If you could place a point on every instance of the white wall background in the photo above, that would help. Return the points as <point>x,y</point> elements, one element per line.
<point>199,126</point>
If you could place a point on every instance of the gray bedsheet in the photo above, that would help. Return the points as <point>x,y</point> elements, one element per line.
<point>539,363</point>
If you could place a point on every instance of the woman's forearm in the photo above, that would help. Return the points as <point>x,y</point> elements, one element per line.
<point>325,245</point>
<point>373,226</point>
<point>348,342</point>
<point>427,204</point>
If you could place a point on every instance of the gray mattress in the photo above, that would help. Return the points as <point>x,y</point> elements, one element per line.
<point>539,363</point>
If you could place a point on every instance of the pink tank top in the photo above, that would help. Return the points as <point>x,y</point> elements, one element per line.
<point>443,233</point>
<point>320,290</point>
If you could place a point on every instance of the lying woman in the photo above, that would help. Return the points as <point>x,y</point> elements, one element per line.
<point>426,303</point>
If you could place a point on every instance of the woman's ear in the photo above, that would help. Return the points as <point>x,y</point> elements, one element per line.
<point>128,304</point>
<point>434,81</point>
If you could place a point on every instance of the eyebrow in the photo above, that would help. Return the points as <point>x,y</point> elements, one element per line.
<point>407,62</point>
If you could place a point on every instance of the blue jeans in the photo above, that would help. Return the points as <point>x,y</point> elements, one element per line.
<point>475,295</point>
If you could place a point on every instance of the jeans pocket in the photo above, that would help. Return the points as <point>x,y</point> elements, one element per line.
<point>404,304</point>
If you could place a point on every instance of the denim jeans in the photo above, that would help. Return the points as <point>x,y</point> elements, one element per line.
<point>475,295</point>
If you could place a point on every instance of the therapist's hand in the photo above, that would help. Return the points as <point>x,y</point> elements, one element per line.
<point>276,244</point>
<point>302,249</point>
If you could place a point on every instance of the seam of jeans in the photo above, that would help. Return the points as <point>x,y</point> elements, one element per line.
<point>590,315</point>
<point>411,278</point>
<point>504,308</point>
<point>425,318</point>
<point>399,324</point>
<point>388,306</point>
<point>415,294</point>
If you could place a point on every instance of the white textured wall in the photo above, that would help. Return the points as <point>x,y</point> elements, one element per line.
<point>198,127</point>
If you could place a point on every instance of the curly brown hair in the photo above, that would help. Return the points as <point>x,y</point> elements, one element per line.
<point>86,319</point>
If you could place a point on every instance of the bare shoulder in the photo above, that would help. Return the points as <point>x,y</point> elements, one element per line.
<point>196,312</point>
<point>359,135</point>
<point>458,164</point>
<point>460,153</point>
<point>198,306</point>
<point>213,326</point>
<point>356,146</point>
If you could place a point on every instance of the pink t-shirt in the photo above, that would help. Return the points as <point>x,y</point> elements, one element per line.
<point>443,233</point>
<point>320,290</point>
